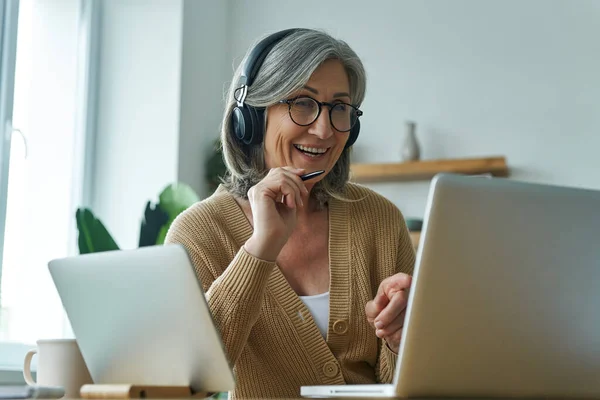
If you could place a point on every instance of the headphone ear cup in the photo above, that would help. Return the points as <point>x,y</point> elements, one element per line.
<point>353,134</point>
<point>258,124</point>
<point>248,124</point>
<point>242,124</point>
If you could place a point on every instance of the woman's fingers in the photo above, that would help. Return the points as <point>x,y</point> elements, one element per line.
<point>392,311</point>
<point>374,307</point>
<point>393,340</point>
<point>291,194</point>
<point>394,326</point>
<point>288,187</point>
<point>295,173</point>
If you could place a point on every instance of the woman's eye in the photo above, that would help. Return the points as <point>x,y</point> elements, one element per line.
<point>341,107</point>
<point>305,103</point>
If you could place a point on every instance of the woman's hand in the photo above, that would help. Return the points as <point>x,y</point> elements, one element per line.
<point>387,310</point>
<point>274,201</point>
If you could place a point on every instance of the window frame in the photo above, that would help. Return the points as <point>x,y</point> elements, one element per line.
<point>9,19</point>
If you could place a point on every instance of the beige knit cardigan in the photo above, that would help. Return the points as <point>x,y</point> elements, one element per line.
<point>269,336</point>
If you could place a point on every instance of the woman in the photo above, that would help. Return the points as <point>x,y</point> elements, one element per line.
<point>306,279</point>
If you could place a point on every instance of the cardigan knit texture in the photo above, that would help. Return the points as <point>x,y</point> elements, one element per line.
<point>268,334</point>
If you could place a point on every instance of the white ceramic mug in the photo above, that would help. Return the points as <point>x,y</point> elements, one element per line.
<point>59,364</point>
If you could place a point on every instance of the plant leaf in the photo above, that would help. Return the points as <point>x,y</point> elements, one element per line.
<point>152,223</point>
<point>162,235</point>
<point>176,198</point>
<point>93,236</point>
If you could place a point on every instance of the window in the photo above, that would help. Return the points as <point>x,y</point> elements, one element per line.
<point>46,171</point>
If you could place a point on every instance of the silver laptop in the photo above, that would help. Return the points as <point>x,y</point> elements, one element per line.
<point>140,317</point>
<point>505,299</point>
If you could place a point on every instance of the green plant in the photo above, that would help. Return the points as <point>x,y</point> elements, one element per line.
<point>94,237</point>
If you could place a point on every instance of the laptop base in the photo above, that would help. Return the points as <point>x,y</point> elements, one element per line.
<point>377,390</point>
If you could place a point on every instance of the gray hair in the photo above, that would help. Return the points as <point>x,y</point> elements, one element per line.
<point>286,69</point>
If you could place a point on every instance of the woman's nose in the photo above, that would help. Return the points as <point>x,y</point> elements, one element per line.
<point>322,126</point>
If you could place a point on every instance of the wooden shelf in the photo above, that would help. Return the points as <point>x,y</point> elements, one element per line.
<point>424,170</point>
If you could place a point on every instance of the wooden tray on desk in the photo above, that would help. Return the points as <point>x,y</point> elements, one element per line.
<point>126,391</point>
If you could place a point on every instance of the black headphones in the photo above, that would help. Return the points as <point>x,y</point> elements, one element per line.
<point>248,122</point>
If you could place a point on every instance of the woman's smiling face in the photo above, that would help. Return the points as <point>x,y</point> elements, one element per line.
<point>318,145</point>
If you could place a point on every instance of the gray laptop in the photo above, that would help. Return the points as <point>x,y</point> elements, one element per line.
<point>140,317</point>
<point>505,299</point>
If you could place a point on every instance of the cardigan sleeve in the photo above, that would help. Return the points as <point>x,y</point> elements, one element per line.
<point>386,365</point>
<point>405,263</point>
<point>234,296</point>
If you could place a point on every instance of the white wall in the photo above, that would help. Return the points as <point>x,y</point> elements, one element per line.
<point>205,67</point>
<point>513,78</point>
<point>137,136</point>
<point>162,68</point>
<point>480,78</point>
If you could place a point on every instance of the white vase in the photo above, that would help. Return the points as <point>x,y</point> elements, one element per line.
<point>410,147</point>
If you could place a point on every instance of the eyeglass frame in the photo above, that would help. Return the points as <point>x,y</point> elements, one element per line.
<point>320,104</point>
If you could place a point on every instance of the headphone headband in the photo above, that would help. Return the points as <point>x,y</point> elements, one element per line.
<point>259,53</point>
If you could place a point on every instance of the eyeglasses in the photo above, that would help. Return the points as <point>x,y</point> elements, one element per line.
<point>305,110</point>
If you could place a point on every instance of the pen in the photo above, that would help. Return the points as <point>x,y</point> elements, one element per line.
<point>311,175</point>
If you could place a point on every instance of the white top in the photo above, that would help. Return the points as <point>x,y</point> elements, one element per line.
<point>318,305</point>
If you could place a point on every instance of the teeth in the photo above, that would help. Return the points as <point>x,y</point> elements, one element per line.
<point>310,149</point>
